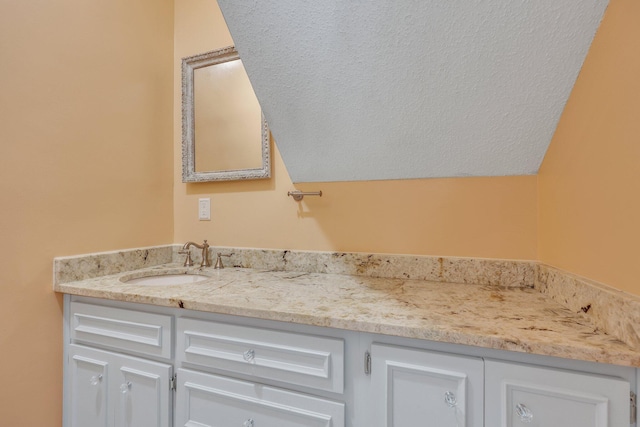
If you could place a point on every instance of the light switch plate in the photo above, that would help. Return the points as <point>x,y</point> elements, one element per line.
<point>204,209</point>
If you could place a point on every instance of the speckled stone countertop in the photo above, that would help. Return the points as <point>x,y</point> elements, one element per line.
<point>515,318</point>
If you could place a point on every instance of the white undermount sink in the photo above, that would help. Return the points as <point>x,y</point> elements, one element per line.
<point>165,279</point>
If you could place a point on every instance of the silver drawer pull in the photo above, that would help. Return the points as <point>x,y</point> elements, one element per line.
<point>96,379</point>
<point>248,423</point>
<point>525,414</point>
<point>249,355</point>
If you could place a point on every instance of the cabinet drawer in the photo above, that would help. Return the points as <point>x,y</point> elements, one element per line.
<point>530,395</point>
<point>121,329</point>
<point>310,361</point>
<point>212,400</point>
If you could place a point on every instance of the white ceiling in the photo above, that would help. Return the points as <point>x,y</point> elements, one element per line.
<point>364,90</point>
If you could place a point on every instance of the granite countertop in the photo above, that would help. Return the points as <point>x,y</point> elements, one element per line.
<point>514,318</point>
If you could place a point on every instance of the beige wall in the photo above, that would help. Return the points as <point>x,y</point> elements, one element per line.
<point>85,165</point>
<point>484,217</point>
<point>589,183</point>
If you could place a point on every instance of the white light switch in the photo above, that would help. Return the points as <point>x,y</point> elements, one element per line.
<point>204,209</point>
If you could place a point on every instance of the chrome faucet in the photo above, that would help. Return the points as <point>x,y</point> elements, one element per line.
<point>205,254</point>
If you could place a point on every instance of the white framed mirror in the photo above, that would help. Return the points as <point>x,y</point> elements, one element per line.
<point>224,133</point>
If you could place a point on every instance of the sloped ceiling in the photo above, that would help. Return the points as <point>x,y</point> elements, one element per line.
<point>366,90</point>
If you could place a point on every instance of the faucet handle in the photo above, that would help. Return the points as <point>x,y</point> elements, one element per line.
<point>188,262</point>
<point>219,261</point>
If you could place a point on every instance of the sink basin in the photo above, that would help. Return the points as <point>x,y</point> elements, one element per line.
<point>165,279</point>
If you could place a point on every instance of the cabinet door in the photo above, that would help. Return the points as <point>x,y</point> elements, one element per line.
<point>206,400</point>
<point>88,388</point>
<point>144,393</point>
<point>113,390</point>
<point>523,395</point>
<point>413,387</point>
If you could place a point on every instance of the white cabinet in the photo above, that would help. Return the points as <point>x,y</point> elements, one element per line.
<point>250,373</point>
<point>521,395</point>
<point>109,389</point>
<point>413,387</point>
<point>207,400</point>
<point>106,386</point>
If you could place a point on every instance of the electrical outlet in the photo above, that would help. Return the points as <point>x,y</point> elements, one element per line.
<point>204,209</point>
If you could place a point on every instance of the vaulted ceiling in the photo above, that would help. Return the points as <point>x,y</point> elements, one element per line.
<point>365,90</point>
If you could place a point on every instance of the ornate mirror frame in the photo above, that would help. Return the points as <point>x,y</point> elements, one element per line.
<point>189,174</point>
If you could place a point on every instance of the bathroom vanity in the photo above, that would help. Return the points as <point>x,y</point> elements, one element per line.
<point>260,348</point>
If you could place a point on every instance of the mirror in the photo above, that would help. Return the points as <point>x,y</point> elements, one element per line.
<point>224,133</point>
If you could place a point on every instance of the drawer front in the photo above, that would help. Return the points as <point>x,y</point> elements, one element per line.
<point>214,401</point>
<point>121,329</point>
<point>518,395</point>
<point>310,361</point>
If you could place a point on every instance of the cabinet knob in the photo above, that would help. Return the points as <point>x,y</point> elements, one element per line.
<point>525,414</point>
<point>249,355</point>
<point>96,379</point>
<point>450,399</point>
<point>248,423</point>
<point>125,387</point>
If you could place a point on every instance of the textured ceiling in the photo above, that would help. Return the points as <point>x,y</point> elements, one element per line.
<point>364,90</point>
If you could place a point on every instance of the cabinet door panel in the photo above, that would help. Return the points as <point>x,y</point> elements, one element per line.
<point>206,400</point>
<point>144,393</point>
<point>519,395</point>
<point>414,387</point>
<point>89,387</point>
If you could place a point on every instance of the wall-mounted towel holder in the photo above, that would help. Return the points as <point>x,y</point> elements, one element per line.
<point>299,195</point>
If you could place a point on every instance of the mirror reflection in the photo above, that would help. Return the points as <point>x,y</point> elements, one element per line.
<point>225,136</point>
